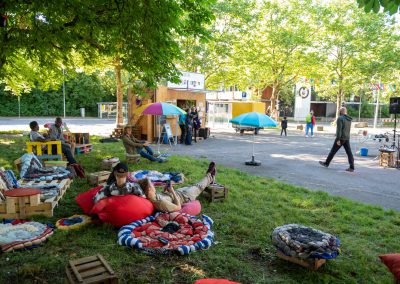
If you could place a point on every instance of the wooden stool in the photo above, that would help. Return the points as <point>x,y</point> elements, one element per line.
<point>19,196</point>
<point>218,192</point>
<point>98,177</point>
<point>92,269</point>
<point>132,158</point>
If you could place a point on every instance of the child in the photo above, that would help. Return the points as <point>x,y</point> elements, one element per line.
<point>284,125</point>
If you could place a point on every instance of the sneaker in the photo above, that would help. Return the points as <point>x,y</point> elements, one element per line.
<point>161,160</point>
<point>312,135</point>
<point>156,155</point>
<point>306,135</point>
<point>323,164</point>
<point>211,169</point>
<point>349,170</point>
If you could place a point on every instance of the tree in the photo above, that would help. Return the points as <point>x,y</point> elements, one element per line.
<point>277,47</point>
<point>138,36</point>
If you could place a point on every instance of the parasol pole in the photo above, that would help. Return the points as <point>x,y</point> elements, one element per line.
<point>159,135</point>
<point>254,140</point>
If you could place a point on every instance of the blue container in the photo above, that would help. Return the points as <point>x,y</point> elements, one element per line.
<point>364,152</point>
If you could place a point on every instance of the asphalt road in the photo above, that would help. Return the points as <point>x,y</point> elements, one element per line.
<point>293,159</point>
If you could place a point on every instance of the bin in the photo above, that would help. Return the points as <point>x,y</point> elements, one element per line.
<point>82,112</point>
<point>364,152</point>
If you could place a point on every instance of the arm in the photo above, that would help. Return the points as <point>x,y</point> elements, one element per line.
<point>132,142</point>
<point>176,204</point>
<point>339,128</point>
<point>52,133</point>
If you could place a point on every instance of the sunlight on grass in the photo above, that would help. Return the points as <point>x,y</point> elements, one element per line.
<point>243,225</point>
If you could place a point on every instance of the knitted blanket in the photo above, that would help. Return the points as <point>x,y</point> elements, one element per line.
<point>156,177</point>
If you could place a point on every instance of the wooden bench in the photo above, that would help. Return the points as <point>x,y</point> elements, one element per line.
<point>312,264</point>
<point>37,149</point>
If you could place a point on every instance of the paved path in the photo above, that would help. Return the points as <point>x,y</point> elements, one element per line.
<point>293,159</point>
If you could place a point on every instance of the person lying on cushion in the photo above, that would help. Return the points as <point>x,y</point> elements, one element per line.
<point>171,200</point>
<point>133,146</point>
<point>120,186</point>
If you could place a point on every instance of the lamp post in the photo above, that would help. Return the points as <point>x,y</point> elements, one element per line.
<point>377,104</point>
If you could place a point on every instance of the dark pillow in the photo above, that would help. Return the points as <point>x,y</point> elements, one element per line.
<point>392,261</point>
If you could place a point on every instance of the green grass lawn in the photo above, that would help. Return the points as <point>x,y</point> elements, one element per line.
<point>243,225</point>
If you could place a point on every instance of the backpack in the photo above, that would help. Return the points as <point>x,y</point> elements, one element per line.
<point>308,118</point>
<point>76,171</point>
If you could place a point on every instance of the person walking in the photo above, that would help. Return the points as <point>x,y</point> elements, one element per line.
<point>343,125</point>
<point>189,127</point>
<point>310,123</point>
<point>284,125</point>
<point>182,125</point>
<point>196,123</point>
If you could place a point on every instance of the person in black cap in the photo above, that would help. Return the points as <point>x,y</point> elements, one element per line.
<point>117,184</point>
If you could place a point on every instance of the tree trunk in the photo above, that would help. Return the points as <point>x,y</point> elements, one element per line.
<point>274,97</point>
<point>119,117</point>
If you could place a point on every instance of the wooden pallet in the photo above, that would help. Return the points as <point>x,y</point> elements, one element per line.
<point>108,165</point>
<point>98,177</point>
<point>313,264</point>
<point>92,269</point>
<point>10,208</point>
<point>83,148</point>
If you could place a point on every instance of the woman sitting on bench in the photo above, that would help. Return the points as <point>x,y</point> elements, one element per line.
<point>133,145</point>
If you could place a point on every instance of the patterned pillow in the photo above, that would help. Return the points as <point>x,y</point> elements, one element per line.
<point>392,261</point>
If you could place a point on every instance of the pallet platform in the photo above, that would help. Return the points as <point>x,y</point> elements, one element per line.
<point>313,264</point>
<point>83,148</point>
<point>10,208</point>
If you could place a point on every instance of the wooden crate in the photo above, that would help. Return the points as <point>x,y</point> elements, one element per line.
<point>387,159</point>
<point>300,127</point>
<point>217,192</point>
<point>11,207</point>
<point>92,269</point>
<point>117,132</point>
<point>83,148</point>
<point>313,263</point>
<point>108,165</point>
<point>320,128</point>
<point>98,177</point>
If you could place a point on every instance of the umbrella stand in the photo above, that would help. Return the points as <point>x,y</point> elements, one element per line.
<point>253,162</point>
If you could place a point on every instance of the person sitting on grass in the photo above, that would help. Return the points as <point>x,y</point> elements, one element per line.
<point>35,136</point>
<point>171,200</point>
<point>119,185</point>
<point>133,145</point>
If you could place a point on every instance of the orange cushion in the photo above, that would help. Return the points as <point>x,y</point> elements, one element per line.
<point>392,261</point>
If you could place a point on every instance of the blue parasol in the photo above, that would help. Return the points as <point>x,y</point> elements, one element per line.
<point>254,119</point>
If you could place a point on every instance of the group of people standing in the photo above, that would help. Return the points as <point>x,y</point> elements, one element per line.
<point>190,124</point>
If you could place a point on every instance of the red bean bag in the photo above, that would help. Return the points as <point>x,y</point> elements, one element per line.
<point>85,199</point>
<point>122,210</point>
<point>116,210</point>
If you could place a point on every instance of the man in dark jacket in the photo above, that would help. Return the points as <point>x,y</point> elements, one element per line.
<point>343,125</point>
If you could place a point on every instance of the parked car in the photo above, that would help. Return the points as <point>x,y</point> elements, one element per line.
<point>242,129</point>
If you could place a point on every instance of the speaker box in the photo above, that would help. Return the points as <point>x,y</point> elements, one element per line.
<point>204,132</point>
<point>394,106</point>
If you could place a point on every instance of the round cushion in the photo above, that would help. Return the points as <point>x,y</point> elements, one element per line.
<point>192,208</point>
<point>305,242</point>
<point>73,222</point>
<point>122,210</point>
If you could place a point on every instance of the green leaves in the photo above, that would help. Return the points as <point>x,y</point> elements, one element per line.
<point>390,6</point>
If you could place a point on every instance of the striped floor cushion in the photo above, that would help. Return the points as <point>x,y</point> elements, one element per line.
<point>168,233</point>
